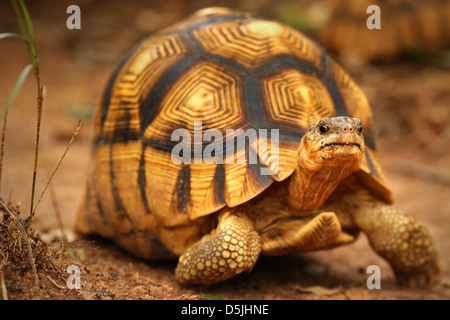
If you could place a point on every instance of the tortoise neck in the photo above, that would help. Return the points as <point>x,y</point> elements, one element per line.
<point>308,189</point>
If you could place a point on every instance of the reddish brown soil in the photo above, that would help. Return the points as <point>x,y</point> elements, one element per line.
<point>411,103</point>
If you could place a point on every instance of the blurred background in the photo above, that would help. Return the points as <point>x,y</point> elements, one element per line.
<point>403,68</point>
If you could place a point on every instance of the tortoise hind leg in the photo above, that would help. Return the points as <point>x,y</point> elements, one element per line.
<point>403,241</point>
<point>233,247</point>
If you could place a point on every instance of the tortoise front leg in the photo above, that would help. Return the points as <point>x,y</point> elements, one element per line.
<point>302,234</point>
<point>403,241</point>
<point>230,249</point>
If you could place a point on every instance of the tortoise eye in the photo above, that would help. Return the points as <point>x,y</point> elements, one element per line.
<point>323,129</point>
<point>359,130</point>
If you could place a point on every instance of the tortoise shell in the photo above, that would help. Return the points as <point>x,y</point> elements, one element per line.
<point>406,26</point>
<point>218,69</point>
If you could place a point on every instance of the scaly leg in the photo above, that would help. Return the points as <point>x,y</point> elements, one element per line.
<point>403,241</point>
<point>233,247</point>
<point>301,234</point>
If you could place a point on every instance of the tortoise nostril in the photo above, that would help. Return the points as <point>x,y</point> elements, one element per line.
<point>347,129</point>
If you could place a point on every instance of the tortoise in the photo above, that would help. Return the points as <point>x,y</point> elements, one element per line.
<point>227,136</point>
<point>407,27</point>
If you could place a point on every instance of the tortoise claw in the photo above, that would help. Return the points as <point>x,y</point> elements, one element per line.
<point>418,280</point>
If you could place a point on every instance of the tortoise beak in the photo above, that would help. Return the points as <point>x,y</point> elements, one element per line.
<point>335,145</point>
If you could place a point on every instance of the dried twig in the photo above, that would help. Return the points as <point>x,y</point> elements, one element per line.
<point>75,134</point>
<point>4,291</point>
<point>54,282</point>
<point>3,262</point>
<point>2,147</point>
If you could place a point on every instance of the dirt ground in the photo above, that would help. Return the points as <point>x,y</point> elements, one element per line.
<point>411,101</point>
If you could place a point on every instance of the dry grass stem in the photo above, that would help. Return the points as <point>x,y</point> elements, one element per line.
<point>54,282</point>
<point>40,99</point>
<point>4,291</point>
<point>2,147</point>
<point>75,134</point>
<point>57,211</point>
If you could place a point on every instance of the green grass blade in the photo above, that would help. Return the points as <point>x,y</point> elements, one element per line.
<point>10,35</point>
<point>19,16</point>
<point>16,89</point>
<point>28,20</point>
<point>26,27</point>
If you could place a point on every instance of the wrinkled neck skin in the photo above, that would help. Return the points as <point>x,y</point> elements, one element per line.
<point>317,175</point>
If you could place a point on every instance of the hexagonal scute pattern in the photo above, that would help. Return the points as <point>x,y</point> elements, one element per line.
<point>254,42</point>
<point>228,96</point>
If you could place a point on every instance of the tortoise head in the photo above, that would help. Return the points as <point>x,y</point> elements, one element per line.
<point>331,150</point>
<point>333,143</point>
